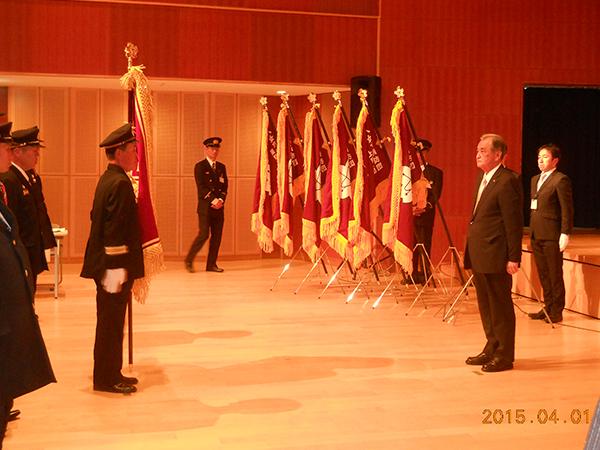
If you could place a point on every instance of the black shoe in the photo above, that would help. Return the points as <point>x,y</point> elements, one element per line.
<point>497,365</point>
<point>129,380</point>
<point>13,415</point>
<point>214,269</point>
<point>538,315</point>
<point>479,360</point>
<point>554,318</point>
<point>119,388</point>
<point>189,267</point>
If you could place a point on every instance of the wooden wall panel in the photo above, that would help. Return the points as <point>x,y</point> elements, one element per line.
<point>244,239</point>
<point>166,201</point>
<point>194,130</point>
<point>194,43</point>
<point>249,118</point>
<point>338,7</point>
<point>84,131</point>
<point>81,200</point>
<point>166,135</point>
<point>113,114</point>
<point>222,123</point>
<point>54,130</point>
<point>23,109</point>
<point>56,192</point>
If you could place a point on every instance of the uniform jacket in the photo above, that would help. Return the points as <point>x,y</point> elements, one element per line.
<point>554,213</point>
<point>114,240</point>
<point>496,227</point>
<point>22,202</point>
<point>24,362</point>
<point>48,240</point>
<point>210,183</point>
<point>435,177</point>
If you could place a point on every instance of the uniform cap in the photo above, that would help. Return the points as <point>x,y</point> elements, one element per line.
<point>121,136</point>
<point>27,138</point>
<point>213,142</point>
<point>5,132</point>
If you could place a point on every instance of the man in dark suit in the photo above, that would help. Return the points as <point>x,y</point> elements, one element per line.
<point>23,199</point>
<point>424,217</point>
<point>24,362</point>
<point>113,258</point>
<point>551,224</point>
<point>211,182</point>
<point>493,252</point>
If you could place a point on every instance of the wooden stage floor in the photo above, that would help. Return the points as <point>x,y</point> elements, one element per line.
<point>224,363</point>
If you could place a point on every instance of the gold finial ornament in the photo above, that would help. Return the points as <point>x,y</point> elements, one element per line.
<point>363,94</point>
<point>337,96</point>
<point>263,101</point>
<point>312,98</point>
<point>399,92</point>
<point>131,52</point>
<point>284,98</point>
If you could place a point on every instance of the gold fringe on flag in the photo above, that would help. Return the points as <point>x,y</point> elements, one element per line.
<point>309,228</point>
<point>329,225</point>
<point>362,241</point>
<point>388,232</point>
<point>281,227</point>
<point>264,234</point>
<point>153,254</point>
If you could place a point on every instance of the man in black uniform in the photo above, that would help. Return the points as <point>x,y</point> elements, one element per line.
<point>424,218</point>
<point>211,182</point>
<point>25,198</point>
<point>113,258</point>
<point>24,362</point>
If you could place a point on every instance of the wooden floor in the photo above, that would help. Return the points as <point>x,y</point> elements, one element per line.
<point>224,363</point>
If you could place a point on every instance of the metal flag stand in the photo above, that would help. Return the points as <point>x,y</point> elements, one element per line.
<point>284,98</point>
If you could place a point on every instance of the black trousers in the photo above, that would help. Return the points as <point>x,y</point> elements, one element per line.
<point>549,261</point>
<point>497,313</point>
<point>209,222</point>
<point>108,347</point>
<point>421,266</point>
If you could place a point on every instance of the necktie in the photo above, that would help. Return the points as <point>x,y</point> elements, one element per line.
<point>214,166</point>
<point>481,188</point>
<point>543,177</point>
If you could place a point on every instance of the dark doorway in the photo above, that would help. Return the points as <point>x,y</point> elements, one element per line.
<point>570,118</point>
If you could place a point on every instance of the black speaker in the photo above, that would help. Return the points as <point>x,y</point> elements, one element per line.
<point>372,84</point>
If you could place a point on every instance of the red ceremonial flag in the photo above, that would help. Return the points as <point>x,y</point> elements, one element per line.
<point>372,178</point>
<point>141,104</point>
<point>337,210</point>
<point>265,193</point>
<point>398,215</point>
<point>290,179</point>
<point>316,161</point>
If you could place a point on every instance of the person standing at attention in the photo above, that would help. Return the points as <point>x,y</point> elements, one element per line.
<point>23,199</point>
<point>551,224</point>
<point>424,217</point>
<point>211,183</point>
<point>24,362</point>
<point>493,252</point>
<point>113,258</point>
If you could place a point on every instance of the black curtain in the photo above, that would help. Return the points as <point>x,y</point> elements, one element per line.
<point>570,118</point>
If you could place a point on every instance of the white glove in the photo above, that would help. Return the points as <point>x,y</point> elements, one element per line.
<point>563,241</point>
<point>113,279</point>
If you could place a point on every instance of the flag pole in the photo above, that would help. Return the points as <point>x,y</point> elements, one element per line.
<point>419,148</point>
<point>131,51</point>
